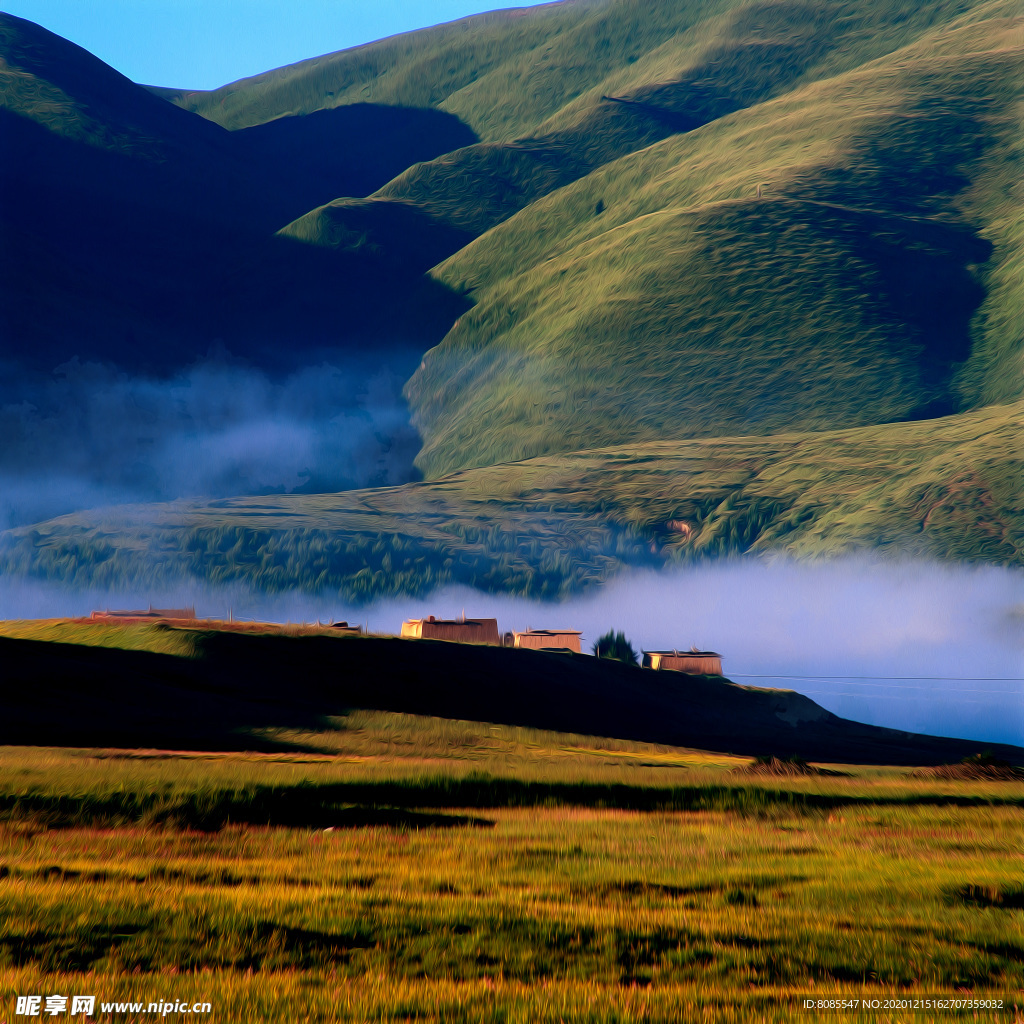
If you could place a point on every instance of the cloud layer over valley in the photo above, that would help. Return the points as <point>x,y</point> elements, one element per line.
<point>90,435</point>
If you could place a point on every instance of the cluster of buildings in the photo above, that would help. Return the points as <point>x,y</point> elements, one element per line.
<point>475,631</point>
<point>485,631</point>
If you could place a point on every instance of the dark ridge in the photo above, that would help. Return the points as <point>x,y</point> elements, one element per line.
<point>150,265</point>
<point>107,94</point>
<point>142,234</point>
<point>401,234</point>
<point>238,684</point>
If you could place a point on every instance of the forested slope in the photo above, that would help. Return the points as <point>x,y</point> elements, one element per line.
<point>549,527</point>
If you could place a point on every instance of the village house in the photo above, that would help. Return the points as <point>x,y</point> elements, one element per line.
<point>463,631</point>
<point>548,640</point>
<point>693,662</point>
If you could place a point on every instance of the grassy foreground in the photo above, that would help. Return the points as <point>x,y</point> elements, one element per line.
<point>872,884</point>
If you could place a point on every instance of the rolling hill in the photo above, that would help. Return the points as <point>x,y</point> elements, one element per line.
<point>752,266</point>
<point>694,222</point>
<point>140,234</point>
<point>839,255</point>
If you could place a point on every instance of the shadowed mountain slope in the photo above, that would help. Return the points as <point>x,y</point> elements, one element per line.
<point>349,150</point>
<point>142,234</point>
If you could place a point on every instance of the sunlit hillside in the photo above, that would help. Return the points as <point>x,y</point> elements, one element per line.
<point>846,253</point>
<point>693,221</point>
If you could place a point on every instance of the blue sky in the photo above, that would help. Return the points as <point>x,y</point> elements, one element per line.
<point>200,44</point>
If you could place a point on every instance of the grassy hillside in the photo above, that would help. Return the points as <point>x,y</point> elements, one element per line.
<point>440,67</point>
<point>947,489</point>
<point>591,116</point>
<point>697,221</point>
<point>510,73</point>
<point>753,267</point>
<point>841,255</point>
<point>646,74</point>
<point>221,689</point>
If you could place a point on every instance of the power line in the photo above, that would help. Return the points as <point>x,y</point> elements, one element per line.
<point>862,682</point>
<point>894,696</point>
<point>908,696</point>
<point>955,679</point>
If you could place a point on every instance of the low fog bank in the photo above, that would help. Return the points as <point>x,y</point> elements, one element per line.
<point>927,648</point>
<point>922,647</point>
<point>89,435</point>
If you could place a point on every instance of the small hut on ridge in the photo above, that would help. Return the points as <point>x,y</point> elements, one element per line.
<point>693,662</point>
<point>548,640</point>
<point>462,631</point>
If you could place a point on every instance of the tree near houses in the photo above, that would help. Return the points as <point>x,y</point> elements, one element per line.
<point>615,646</point>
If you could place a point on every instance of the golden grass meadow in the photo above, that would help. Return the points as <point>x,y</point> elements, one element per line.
<point>523,305</point>
<point>397,867</point>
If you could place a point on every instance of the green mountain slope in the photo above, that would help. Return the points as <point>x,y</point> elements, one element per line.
<point>611,232</point>
<point>620,79</point>
<point>872,278</point>
<point>444,67</point>
<point>510,73</point>
<point>947,489</point>
<point>692,221</point>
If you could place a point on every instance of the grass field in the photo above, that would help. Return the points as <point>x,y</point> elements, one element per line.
<point>395,878</point>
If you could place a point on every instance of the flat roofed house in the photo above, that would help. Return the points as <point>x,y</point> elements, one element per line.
<point>187,614</point>
<point>462,631</point>
<point>549,640</point>
<point>693,662</point>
